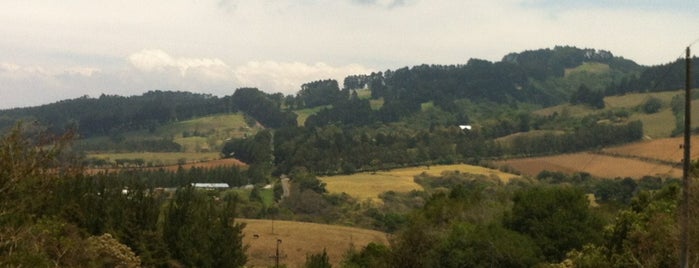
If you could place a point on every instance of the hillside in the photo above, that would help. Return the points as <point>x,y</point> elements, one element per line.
<point>369,185</point>
<point>299,239</point>
<point>198,135</point>
<point>658,157</point>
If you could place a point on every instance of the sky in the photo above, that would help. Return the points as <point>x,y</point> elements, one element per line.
<point>55,50</point>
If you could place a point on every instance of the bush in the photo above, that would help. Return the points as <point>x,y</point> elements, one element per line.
<point>651,105</point>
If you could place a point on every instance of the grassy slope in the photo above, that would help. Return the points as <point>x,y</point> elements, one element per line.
<point>212,131</point>
<point>589,67</point>
<point>598,165</point>
<point>303,114</point>
<point>657,125</point>
<point>368,185</point>
<point>158,158</point>
<point>634,160</point>
<point>300,239</point>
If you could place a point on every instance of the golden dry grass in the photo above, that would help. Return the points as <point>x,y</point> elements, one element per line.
<point>365,186</point>
<point>667,149</point>
<point>226,162</point>
<point>636,99</point>
<point>507,140</point>
<point>598,165</point>
<point>565,109</point>
<point>300,239</point>
<point>169,158</point>
<point>369,185</point>
<point>657,125</point>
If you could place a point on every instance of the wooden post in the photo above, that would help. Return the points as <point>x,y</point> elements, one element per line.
<point>684,221</point>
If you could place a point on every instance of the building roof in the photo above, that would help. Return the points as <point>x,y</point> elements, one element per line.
<point>210,185</point>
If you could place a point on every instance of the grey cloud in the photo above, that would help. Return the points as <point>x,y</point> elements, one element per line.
<point>227,5</point>
<point>384,3</point>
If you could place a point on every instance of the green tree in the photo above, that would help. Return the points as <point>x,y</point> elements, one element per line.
<point>200,233</point>
<point>651,105</point>
<point>558,219</point>
<point>320,260</point>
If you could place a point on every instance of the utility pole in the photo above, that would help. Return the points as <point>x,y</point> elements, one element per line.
<point>276,259</point>
<point>684,221</point>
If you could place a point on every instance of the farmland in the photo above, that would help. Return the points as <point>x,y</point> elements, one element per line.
<point>660,157</point>
<point>655,125</point>
<point>299,239</point>
<point>661,149</point>
<point>204,163</point>
<point>159,159</point>
<point>369,185</point>
<point>596,164</point>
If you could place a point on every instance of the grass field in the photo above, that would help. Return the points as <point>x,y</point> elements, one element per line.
<point>598,165</point>
<point>158,158</point>
<point>507,140</point>
<point>657,125</point>
<point>213,162</point>
<point>299,239</point>
<point>590,67</point>
<point>636,99</point>
<point>369,185</point>
<point>661,149</point>
<point>204,134</point>
<point>303,114</point>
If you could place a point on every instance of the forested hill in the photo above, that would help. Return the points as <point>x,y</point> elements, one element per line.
<point>662,77</point>
<point>108,113</point>
<point>541,77</point>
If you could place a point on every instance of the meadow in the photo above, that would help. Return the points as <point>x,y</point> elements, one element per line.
<point>162,158</point>
<point>668,149</point>
<point>159,159</point>
<point>303,114</point>
<point>598,165</point>
<point>299,239</point>
<point>369,185</point>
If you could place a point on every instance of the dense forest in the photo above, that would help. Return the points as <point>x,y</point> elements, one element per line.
<point>54,213</point>
<point>518,78</point>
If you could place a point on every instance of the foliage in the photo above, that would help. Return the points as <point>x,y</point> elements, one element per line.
<point>322,92</point>
<point>643,235</point>
<point>558,219</point>
<point>373,255</point>
<point>651,105</point>
<point>320,260</point>
<point>257,104</point>
<point>446,226</point>
<point>102,220</point>
<point>195,231</point>
<point>586,96</point>
<point>486,246</point>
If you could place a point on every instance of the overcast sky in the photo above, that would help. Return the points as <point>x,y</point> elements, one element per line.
<point>53,50</point>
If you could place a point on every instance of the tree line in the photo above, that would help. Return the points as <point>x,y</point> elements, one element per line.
<point>51,214</point>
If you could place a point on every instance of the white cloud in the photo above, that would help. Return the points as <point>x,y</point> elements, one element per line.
<point>77,47</point>
<point>287,77</point>
<point>156,60</point>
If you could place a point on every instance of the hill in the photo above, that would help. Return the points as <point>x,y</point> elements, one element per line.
<point>659,124</point>
<point>199,135</point>
<point>299,239</point>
